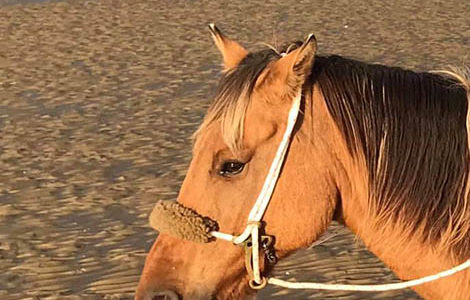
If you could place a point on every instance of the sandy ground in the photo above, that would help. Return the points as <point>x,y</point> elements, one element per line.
<point>98,100</point>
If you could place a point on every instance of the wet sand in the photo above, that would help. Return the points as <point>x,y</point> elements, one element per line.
<point>98,100</point>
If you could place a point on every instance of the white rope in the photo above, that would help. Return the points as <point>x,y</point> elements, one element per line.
<point>255,255</point>
<point>260,206</point>
<point>257,212</point>
<point>222,236</point>
<point>368,288</point>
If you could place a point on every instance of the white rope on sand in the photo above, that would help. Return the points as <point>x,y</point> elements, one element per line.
<point>368,288</point>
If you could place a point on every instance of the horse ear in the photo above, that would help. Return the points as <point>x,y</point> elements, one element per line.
<point>232,52</point>
<point>296,66</point>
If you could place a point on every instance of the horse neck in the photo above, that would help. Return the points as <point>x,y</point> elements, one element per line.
<point>407,257</point>
<point>394,245</point>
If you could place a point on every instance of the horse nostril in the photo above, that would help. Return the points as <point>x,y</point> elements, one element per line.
<point>165,295</point>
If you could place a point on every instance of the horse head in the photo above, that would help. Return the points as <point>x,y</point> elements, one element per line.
<point>232,153</point>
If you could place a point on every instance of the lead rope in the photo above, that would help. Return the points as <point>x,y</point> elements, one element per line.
<point>250,236</point>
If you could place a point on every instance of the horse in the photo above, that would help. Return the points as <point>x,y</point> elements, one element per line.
<point>383,150</point>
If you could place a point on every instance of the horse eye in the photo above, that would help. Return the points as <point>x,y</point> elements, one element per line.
<point>230,168</point>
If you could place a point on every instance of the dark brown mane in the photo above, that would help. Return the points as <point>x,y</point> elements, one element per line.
<point>409,127</point>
